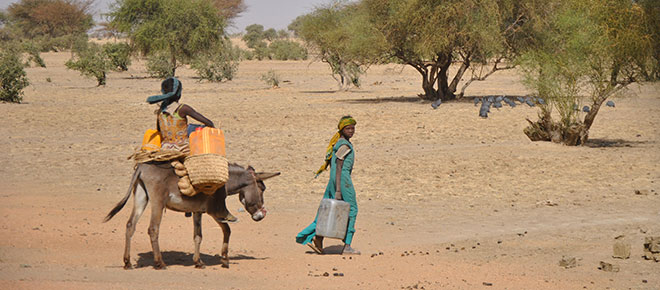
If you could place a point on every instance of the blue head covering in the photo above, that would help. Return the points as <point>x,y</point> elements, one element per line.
<point>167,97</point>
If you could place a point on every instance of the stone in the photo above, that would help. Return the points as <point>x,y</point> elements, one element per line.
<point>568,262</point>
<point>652,244</point>
<point>642,192</point>
<point>608,267</point>
<point>621,250</point>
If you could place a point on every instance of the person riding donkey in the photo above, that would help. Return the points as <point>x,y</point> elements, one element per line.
<point>172,121</point>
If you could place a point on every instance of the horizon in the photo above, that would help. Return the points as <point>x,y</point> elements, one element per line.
<point>271,14</point>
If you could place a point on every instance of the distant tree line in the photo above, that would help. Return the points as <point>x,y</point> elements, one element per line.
<point>271,44</point>
<point>168,33</point>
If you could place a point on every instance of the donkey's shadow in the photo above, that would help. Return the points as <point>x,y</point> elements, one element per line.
<point>186,259</point>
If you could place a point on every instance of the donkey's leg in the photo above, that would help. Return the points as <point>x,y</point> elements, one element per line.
<point>139,204</point>
<point>157,208</point>
<point>197,236</point>
<point>226,232</point>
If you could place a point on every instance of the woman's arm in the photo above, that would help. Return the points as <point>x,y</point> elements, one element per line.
<point>341,153</point>
<point>186,110</point>
<point>340,164</point>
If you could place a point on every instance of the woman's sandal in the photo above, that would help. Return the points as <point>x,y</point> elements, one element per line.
<point>317,250</point>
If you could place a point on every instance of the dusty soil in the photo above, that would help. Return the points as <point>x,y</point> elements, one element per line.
<point>447,199</point>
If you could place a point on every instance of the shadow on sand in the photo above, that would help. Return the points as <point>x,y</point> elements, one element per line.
<point>186,259</point>
<point>615,143</point>
<point>417,99</point>
<point>331,250</point>
<point>400,99</point>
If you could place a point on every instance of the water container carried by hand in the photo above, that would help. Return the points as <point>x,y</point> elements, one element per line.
<point>332,218</point>
<point>207,164</point>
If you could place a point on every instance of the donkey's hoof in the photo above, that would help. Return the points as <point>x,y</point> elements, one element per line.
<point>160,266</point>
<point>128,266</point>
<point>225,263</point>
<point>200,265</point>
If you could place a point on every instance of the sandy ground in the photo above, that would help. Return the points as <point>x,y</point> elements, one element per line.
<point>447,199</point>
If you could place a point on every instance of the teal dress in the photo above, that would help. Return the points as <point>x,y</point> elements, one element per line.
<point>347,193</point>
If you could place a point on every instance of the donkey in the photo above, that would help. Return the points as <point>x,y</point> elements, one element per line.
<point>157,182</point>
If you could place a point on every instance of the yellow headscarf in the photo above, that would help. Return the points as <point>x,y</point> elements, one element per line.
<point>343,122</point>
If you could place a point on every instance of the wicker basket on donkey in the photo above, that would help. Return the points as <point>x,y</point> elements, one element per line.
<point>207,165</point>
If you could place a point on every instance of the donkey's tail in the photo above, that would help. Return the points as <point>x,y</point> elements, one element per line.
<point>122,202</point>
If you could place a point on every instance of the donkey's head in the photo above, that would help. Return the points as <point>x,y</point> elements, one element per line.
<point>250,188</point>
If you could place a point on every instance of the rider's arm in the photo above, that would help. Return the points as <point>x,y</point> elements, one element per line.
<point>186,110</point>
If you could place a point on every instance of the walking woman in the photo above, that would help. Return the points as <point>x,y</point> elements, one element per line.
<point>340,156</point>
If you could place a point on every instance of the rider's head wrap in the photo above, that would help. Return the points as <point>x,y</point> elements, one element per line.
<point>167,97</point>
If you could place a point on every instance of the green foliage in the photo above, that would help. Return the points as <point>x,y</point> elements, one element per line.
<point>254,35</point>
<point>282,34</point>
<point>33,51</point>
<point>271,44</point>
<point>159,65</point>
<point>588,48</point>
<point>13,78</point>
<point>261,51</point>
<point>91,62</point>
<point>270,34</point>
<point>51,18</point>
<point>296,25</point>
<point>343,38</point>
<point>652,16</point>
<point>271,78</point>
<point>119,55</point>
<point>178,29</point>
<point>287,50</point>
<point>247,54</point>
<point>432,35</point>
<point>219,64</point>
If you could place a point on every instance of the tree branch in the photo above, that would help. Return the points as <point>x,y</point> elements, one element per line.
<point>483,77</point>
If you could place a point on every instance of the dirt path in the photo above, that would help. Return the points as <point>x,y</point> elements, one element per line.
<point>447,199</point>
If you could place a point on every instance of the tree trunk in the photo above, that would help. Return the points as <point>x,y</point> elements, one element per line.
<point>459,74</point>
<point>545,129</point>
<point>436,76</point>
<point>173,60</point>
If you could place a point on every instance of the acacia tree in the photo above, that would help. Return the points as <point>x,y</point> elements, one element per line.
<point>432,35</point>
<point>343,38</point>
<point>652,16</point>
<point>229,9</point>
<point>51,19</point>
<point>180,29</point>
<point>592,48</point>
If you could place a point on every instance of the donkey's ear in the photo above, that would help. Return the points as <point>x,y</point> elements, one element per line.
<point>266,175</point>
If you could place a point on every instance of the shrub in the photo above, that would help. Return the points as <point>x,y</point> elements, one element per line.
<point>218,64</point>
<point>287,50</point>
<point>91,62</point>
<point>13,78</point>
<point>119,55</point>
<point>247,54</point>
<point>74,42</point>
<point>261,51</point>
<point>271,78</point>
<point>159,66</point>
<point>33,51</point>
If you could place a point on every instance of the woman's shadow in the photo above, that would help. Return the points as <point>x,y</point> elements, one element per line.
<point>331,250</point>
<point>186,259</point>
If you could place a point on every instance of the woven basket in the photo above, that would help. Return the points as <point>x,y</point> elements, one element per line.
<point>207,172</point>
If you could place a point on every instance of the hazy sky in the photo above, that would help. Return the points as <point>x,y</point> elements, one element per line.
<point>269,13</point>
